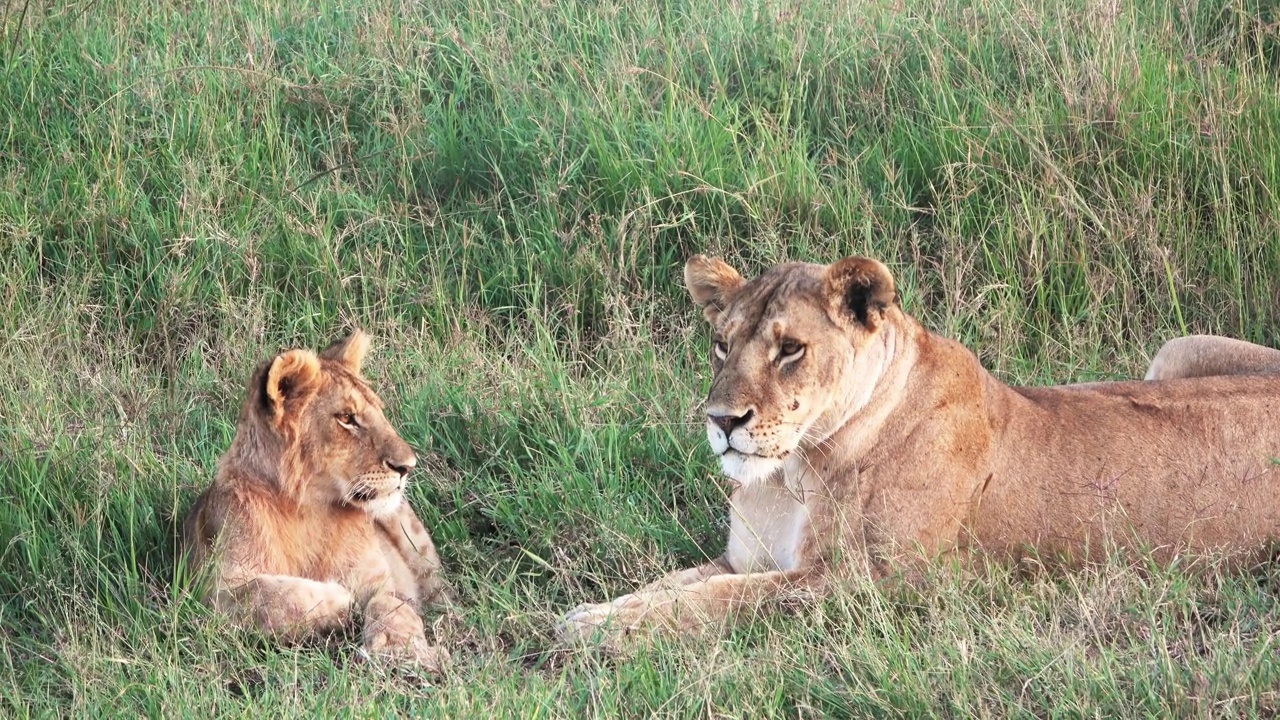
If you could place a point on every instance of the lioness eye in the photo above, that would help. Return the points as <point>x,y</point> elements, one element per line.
<point>347,420</point>
<point>789,349</point>
<point>721,349</point>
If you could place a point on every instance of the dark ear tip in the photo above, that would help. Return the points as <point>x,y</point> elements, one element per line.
<point>258,385</point>
<point>861,286</point>
<point>863,266</point>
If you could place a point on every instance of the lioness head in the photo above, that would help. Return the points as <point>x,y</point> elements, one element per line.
<point>317,426</point>
<point>795,354</point>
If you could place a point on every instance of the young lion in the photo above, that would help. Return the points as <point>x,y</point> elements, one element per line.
<point>860,442</point>
<point>306,519</point>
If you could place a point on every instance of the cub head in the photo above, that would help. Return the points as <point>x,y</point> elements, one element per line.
<point>313,422</point>
<point>795,353</point>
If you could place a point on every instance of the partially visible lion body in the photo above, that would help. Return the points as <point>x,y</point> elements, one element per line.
<point>1206,355</point>
<point>862,443</point>
<point>305,522</point>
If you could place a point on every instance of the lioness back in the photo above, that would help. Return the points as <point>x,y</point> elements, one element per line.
<point>1183,464</point>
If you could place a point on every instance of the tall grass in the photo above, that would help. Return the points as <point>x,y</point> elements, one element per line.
<point>504,193</point>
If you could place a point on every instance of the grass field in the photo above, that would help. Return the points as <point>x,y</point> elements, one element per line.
<point>504,195</point>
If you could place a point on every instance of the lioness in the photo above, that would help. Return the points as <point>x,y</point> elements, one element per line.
<point>306,518</point>
<point>860,442</point>
<point>1205,355</point>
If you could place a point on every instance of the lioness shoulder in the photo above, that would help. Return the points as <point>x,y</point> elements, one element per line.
<point>306,519</point>
<point>862,443</point>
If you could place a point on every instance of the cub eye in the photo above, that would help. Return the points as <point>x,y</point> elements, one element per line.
<point>790,350</point>
<point>347,420</point>
<point>721,349</point>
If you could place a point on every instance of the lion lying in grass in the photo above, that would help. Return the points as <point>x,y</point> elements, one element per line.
<point>306,520</point>
<point>862,443</point>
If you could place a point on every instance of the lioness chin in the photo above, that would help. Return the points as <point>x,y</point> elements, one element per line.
<point>862,443</point>
<point>306,522</point>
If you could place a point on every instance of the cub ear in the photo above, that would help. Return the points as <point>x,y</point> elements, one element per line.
<point>859,289</point>
<point>711,283</point>
<point>349,351</point>
<point>291,378</point>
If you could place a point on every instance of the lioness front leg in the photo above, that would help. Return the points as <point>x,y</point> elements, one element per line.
<point>286,606</point>
<point>684,601</point>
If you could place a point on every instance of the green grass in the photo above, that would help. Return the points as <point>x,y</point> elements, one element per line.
<point>504,194</point>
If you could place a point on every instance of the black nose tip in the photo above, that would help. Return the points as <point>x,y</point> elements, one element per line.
<point>728,423</point>
<point>402,466</point>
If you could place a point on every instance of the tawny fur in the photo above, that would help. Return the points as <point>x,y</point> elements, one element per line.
<point>305,526</point>
<point>1205,355</point>
<point>863,444</point>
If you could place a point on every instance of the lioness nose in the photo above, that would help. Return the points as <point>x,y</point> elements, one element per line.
<point>402,465</point>
<point>728,423</point>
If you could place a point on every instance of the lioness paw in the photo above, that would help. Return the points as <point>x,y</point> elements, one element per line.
<point>586,624</point>
<point>611,623</point>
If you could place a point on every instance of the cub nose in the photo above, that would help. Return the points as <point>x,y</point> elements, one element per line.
<point>401,465</point>
<point>728,423</point>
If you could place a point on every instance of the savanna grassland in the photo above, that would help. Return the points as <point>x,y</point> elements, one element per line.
<point>504,193</point>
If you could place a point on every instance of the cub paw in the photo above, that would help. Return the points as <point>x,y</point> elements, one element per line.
<point>408,650</point>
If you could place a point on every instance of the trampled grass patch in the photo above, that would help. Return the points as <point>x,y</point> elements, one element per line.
<point>504,194</point>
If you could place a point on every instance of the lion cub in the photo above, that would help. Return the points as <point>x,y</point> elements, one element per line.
<point>306,520</point>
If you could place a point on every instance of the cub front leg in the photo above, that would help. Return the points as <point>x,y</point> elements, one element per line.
<point>393,630</point>
<point>286,606</point>
<point>408,542</point>
<point>684,601</point>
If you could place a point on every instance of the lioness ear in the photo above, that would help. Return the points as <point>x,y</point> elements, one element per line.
<point>349,351</point>
<point>859,289</point>
<point>711,282</point>
<point>291,378</point>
